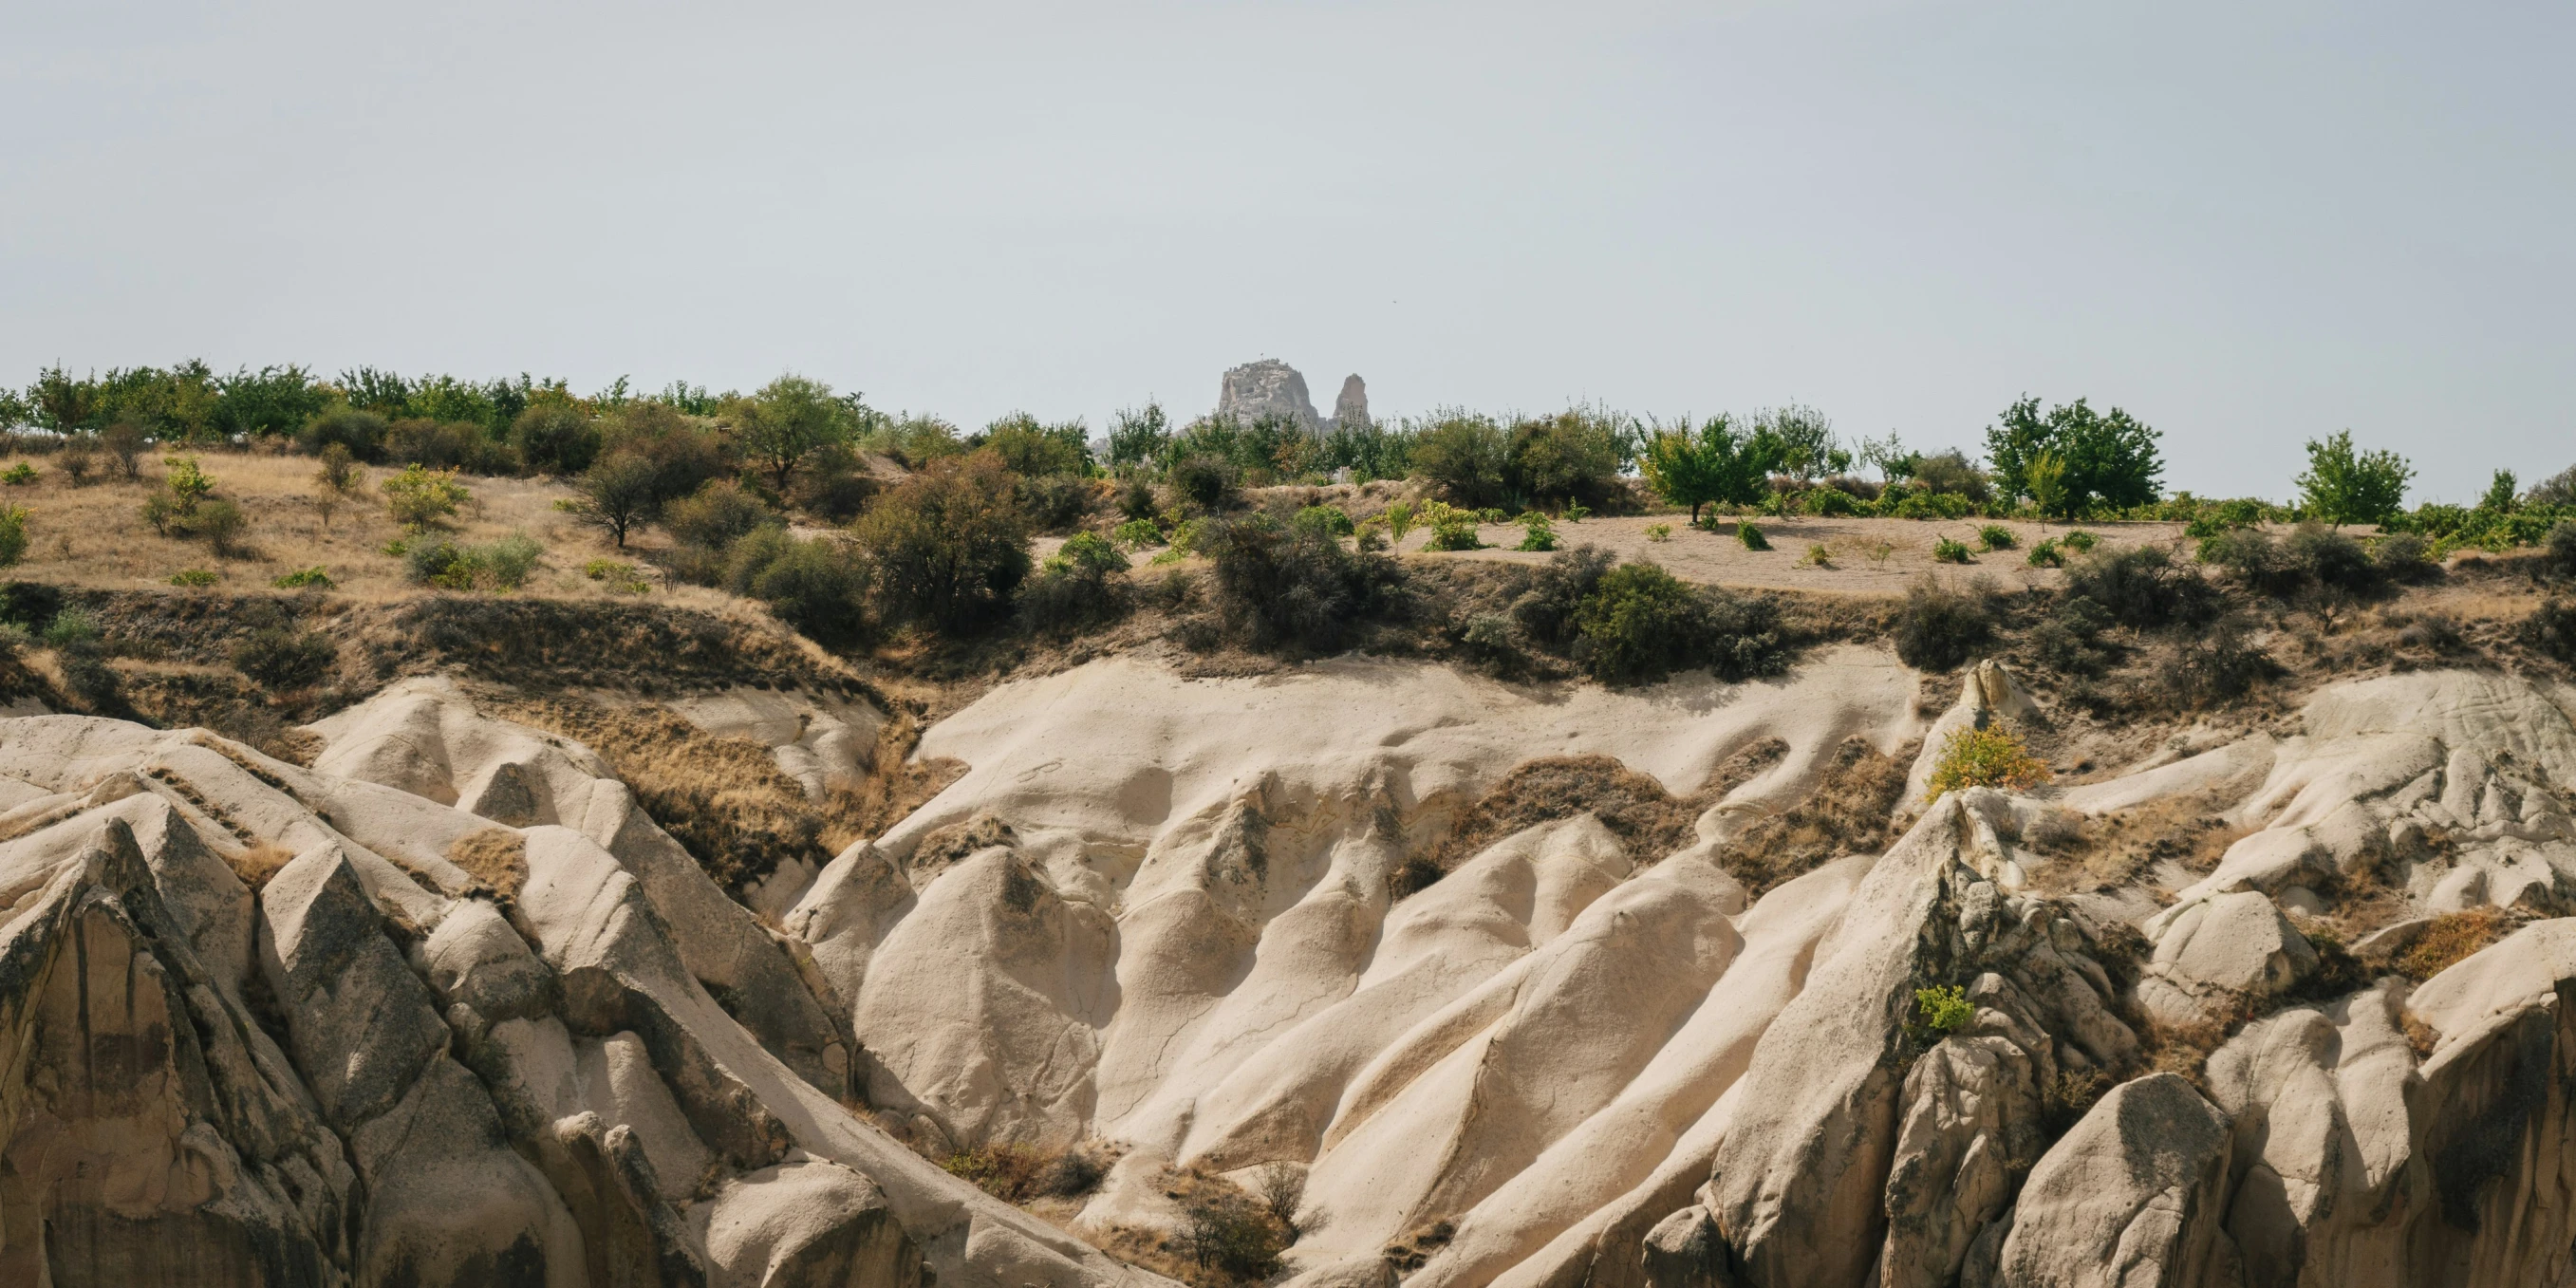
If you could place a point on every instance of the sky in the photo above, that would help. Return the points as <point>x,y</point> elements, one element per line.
<point>2250,225</point>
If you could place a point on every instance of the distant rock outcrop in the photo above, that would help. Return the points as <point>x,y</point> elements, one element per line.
<point>1273,390</point>
<point>1350,411</point>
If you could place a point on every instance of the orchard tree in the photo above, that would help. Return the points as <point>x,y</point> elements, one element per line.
<point>1714,465</point>
<point>2344,486</point>
<point>789,420</point>
<point>2110,457</point>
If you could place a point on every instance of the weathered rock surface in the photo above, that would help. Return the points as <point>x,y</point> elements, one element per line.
<point>490,1024</point>
<point>2134,1195</point>
<point>1267,390</point>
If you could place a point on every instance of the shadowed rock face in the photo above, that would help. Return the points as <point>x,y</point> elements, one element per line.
<point>403,1060</point>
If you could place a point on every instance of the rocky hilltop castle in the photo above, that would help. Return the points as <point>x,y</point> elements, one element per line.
<point>1273,389</point>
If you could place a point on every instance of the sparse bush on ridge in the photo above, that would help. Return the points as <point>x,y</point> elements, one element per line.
<point>2142,587</point>
<point>949,544</point>
<point>279,658</point>
<point>1072,588</point>
<point>1295,586</point>
<point>1941,627</point>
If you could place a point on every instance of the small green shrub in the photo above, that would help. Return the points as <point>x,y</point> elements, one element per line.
<point>1939,627</point>
<point>2560,546</point>
<point>1751,536</point>
<point>1818,556</point>
<point>2405,557</point>
<point>948,545</point>
<point>2046,555</point>
<point>421,498</point>
<point>1329,518</point>
<point>717,513</point>
<point>1136,499</point>
<point>221,523</point>
<point>2078,541</point>
<point>1137,534</point>
<point>1995,536</point>
<point>1942,1009</point>
<point>1451,527</point>
<point>1828,503</point>
<point>1988,757</point>
<point>283,660</point>
<point>19,475</point>
<point>1538,534</point>
<point>1946,550</point>
<point>197,578</point>
<point>1203,481</point>
<point>13,534</point>
<point>1659,532</point>
<point>186,482</point>
<point>1641,623</point>
<point>511,559</point>
<point>818,585</point>
<point>1072,588</point>
<point>1399,520</point>
<point>438,561</point>
<point>313,578</point>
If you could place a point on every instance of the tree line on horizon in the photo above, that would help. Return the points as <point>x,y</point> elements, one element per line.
<point>2068,461</point>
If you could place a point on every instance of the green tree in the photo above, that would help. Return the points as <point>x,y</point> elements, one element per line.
<point>1137,438</point>
<point>2500,492</point>
<point>1715,465</point>
<point>1571,456</point>
<point>2110,457</point>
<point>2344,486</point>
<point>1030,448</point>
<point>789,420</point>
<point>950,543</point>
<point>618,492</point>
<point>1806,443</point>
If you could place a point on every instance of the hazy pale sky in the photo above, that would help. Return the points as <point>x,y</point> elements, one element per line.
<point>2249,224</point>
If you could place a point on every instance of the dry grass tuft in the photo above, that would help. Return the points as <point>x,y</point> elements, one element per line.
<point>2452,938</point>
<point>1848,813</point>
<point>1649,821</point>
<point>495,856</point>
<point>724,799</point>
<point>259,863</point>
<point>894,788</point>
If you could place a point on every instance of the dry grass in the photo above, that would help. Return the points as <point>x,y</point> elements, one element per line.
<point>725,799</point>
<point>496,857</point>
<point>259,863</point>
<point>1848,813</point>
<point>1241,1223</point>
<point>893,789</point>
<point>2452,938</point>
<point>95,536</point>
<point>1649,821</point>
<point>1867,556</point>
<point>2121,849</point>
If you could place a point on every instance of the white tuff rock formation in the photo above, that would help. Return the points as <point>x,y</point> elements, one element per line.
<point>446,1007</point>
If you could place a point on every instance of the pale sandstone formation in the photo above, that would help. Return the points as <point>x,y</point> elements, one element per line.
<point>473,1088</point>
<point>1154,912</point>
